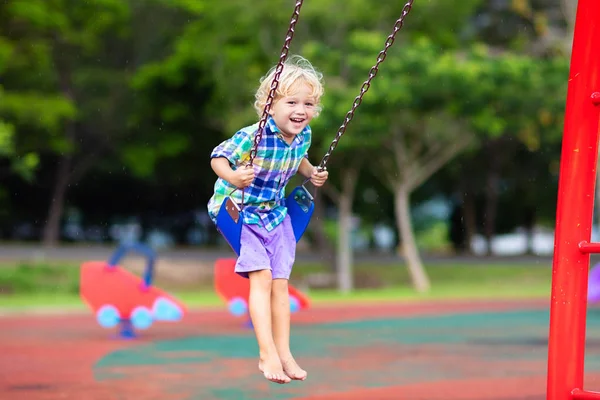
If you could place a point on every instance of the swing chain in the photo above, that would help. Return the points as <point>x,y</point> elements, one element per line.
<point>367,84</point>
<point>275,83</point>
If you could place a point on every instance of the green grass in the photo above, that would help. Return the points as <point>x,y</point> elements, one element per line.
<point>208,299</point>
<point>24,286</point>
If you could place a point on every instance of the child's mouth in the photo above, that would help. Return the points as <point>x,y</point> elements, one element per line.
<point>297,120</point>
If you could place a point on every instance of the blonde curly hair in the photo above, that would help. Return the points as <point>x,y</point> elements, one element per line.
<point>297,70</point>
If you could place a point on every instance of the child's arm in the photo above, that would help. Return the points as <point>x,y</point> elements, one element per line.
<point>241,177</point>
<point>307,170</point>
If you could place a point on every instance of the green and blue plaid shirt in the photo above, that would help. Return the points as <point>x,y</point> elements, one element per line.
<point>276,162</point>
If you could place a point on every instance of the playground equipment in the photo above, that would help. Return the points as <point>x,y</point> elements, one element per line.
<point>119,298</point>
<point>594,284</point>
<point>572,248</point>
<point>235,290</point>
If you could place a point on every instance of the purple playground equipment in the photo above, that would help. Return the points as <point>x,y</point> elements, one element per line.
<point>594,284</point>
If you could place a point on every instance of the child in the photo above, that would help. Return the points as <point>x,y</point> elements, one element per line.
<point>268,245</point>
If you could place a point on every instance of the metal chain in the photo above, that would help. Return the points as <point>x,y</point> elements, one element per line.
<point>367,84</point>
<point>275,83</point>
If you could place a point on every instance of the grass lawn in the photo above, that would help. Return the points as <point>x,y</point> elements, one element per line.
<point>50,287</point>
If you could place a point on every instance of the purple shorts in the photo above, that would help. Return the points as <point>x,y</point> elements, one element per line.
<point>260,249</point>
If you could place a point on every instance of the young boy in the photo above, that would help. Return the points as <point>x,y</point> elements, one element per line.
<point>268,245</point>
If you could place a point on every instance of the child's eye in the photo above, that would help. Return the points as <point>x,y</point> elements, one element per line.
<point>291,102</point>
<point>309,104</point>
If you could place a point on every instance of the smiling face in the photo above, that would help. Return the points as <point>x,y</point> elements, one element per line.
<point>294,112</point>
<point>297,97</point>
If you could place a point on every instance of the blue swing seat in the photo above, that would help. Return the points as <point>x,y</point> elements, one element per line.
<point>229,223</point>
<point>300,207</point>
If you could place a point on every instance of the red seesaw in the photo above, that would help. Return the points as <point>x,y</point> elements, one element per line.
<point>118,297</point>
<point>235,290</point>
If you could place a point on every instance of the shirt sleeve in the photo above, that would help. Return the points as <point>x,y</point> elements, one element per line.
<point>235,149</point>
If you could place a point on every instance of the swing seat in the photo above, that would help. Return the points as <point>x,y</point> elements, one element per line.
<point>300,207</point>
<point>229,223</point>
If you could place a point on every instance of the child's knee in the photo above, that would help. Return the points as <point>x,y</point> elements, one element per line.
<point>280,287</point>
<point>261,280</point>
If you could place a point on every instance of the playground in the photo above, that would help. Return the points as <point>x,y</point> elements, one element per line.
<point>137,341</point>
<point>450,350</point>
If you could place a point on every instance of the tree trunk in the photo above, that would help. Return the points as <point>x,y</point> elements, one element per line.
<point>491,197</point>
<point>470,215</point>
<point>569,8</point>
<point>344,258</point>
<point>529,224</point>
<point>51,233</point>
<point>344,246</point>
<point>417,272</point>
<point>468,218</point>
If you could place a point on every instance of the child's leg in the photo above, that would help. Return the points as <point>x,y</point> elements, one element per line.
<point>280,309</point>
<point>254,263</point>
<point>260,312</point>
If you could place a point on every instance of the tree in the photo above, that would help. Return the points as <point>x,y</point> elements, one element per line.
<point>36,111</point>
<point>60,43</point>
<point>431,105</point>
<point>530,108</point>
<point>332,49</point>
<point>405,95</point>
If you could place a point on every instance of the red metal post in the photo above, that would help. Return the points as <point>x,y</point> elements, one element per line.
<point>566,348</point>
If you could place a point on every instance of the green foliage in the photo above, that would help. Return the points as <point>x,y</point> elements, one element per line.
<point>466,92</point>
<point>434,238</point>
<point>77,23</point>
<point>153,85</point>
<point>53,41</point>
<point>24,165</point>
<point>231,60</point>
<point>445,22</point>
<point>45,112</point>
<point>6,139</point>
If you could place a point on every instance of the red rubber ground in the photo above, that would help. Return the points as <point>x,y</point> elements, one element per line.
<point>52,357</point>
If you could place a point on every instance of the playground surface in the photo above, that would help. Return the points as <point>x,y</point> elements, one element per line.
<point>460,350</point>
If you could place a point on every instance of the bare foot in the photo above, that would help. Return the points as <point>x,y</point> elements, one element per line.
<point>292,369</point>
<point>272,370</point>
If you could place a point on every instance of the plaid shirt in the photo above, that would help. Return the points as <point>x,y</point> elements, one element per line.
<point>276,162</point>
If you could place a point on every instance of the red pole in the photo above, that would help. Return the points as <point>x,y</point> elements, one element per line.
<point>566,348</point>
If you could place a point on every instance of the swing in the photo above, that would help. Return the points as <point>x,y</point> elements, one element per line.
<point>299,203</point>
